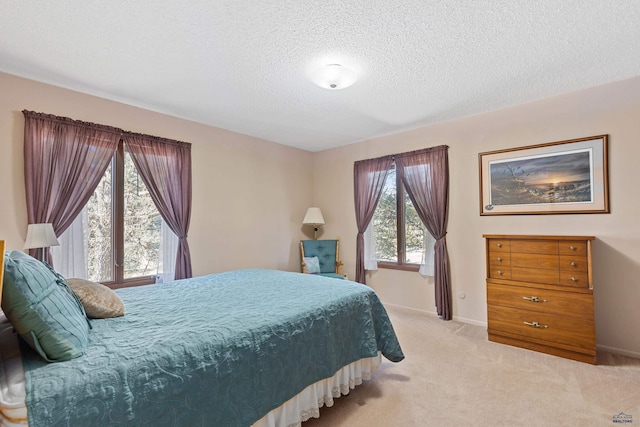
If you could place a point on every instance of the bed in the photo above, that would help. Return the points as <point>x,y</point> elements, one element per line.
<point>243,348</point>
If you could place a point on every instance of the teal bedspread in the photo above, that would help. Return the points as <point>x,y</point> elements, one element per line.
<point>217,350</point>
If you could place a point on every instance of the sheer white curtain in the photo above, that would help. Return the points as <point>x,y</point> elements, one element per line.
<point>370,252</point>
<point>168,252</point>
<point>70,258</point>
<point>427,266</point>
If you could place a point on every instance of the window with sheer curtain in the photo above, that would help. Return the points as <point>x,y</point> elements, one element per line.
<point>119,201</point>
<point>119,236</point>
<point>396,238</point>
<point>424,175</point>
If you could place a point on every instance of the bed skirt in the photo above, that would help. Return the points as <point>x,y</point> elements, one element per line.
<point>307,403</point>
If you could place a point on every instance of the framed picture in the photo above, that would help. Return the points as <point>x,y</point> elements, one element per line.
<point>554,178</point>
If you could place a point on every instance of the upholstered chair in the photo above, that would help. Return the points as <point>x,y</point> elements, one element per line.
<point>327,253</point>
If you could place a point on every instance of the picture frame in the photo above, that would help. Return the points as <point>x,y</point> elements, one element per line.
<point>564,177</point>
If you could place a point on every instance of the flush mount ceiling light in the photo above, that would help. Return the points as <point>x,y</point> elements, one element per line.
<point>334,77</point>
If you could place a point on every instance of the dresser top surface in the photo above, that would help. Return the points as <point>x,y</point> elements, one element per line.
<point>536,237</point>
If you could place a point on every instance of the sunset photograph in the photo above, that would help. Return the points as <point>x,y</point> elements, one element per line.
<point>555,178</point>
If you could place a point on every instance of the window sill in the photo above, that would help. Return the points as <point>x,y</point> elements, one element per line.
<point>403,267</point>
<point>129,283</point>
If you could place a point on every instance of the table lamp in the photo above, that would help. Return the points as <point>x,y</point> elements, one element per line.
<point>41,236</point>
<point>314,218</point>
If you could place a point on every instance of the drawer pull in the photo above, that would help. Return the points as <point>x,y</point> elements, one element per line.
<point>500,272</point>
<point>572,248</point>
<point>573,279</point>
<point>499,245</point>
<point>534,299</point>
<point>535,325</point>
<point>499,259</point>
<point>573,264</point>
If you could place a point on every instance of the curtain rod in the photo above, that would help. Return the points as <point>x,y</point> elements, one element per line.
<point>407,153</point>
<point>70,121</point>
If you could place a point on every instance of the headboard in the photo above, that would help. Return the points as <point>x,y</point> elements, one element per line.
<point>1,267</point>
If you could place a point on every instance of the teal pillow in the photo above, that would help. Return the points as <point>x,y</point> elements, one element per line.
<point>43,309</point>
<point>312,264</point>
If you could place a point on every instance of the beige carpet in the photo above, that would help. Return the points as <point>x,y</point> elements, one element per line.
<point>453,376</point>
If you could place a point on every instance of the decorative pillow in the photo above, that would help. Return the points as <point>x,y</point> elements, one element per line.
<point>98,300</point>
<point>42,308</point>
<point>312,264</point>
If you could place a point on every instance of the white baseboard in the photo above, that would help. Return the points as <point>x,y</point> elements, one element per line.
<point>619,351</point>
<point>404,307</point>
<point>434,314</point>
<point>470,321</point>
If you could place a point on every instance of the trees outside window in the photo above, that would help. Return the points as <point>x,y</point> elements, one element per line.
<point>399,233</point>
<point>124,227</point>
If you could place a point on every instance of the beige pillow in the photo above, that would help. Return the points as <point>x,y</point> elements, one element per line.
<point>99,301</point>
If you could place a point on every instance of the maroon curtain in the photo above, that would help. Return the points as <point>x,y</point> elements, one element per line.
<point>425,175</point>
<point>368,177</point>
<point>64,160</point>
<point>165,168</point>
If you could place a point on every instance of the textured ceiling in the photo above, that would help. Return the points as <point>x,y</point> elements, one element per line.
<point>244,65</point>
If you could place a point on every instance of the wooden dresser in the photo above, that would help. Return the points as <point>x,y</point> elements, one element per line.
<point>540,294</point>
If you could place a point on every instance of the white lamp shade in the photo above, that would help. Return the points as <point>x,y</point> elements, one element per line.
<point>334,77</point>
<point>41,236</point>
<point>313,217</point>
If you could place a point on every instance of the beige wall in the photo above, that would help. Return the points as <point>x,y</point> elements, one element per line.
<point>613,109</point>
<point>253,219</point>
<point>249,195</point>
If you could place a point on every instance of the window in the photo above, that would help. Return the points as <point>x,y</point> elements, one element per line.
<point>127,235</point>
<point>124,226</point>
<point>398,233</point>
<point>426,175</point>
<point>119,233</point>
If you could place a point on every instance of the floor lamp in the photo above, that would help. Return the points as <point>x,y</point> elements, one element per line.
<point>41,236</point>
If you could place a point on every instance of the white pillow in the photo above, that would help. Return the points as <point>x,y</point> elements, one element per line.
<point>312,264</point>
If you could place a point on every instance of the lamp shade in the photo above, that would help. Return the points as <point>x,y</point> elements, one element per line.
<point>313,217</point>
<point>41,236</point>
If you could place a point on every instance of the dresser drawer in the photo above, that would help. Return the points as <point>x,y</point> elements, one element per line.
<point>549,247</point>
<point>574,279</point>
<point>568,332</point>
<point>541,300</point>
<point>499,245</point>
<point>499,271</point>
<point>573,263</point>
<point>533,275</point>
<point>573,248</point>
<point>548,262</point>
<point>499,258</point>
